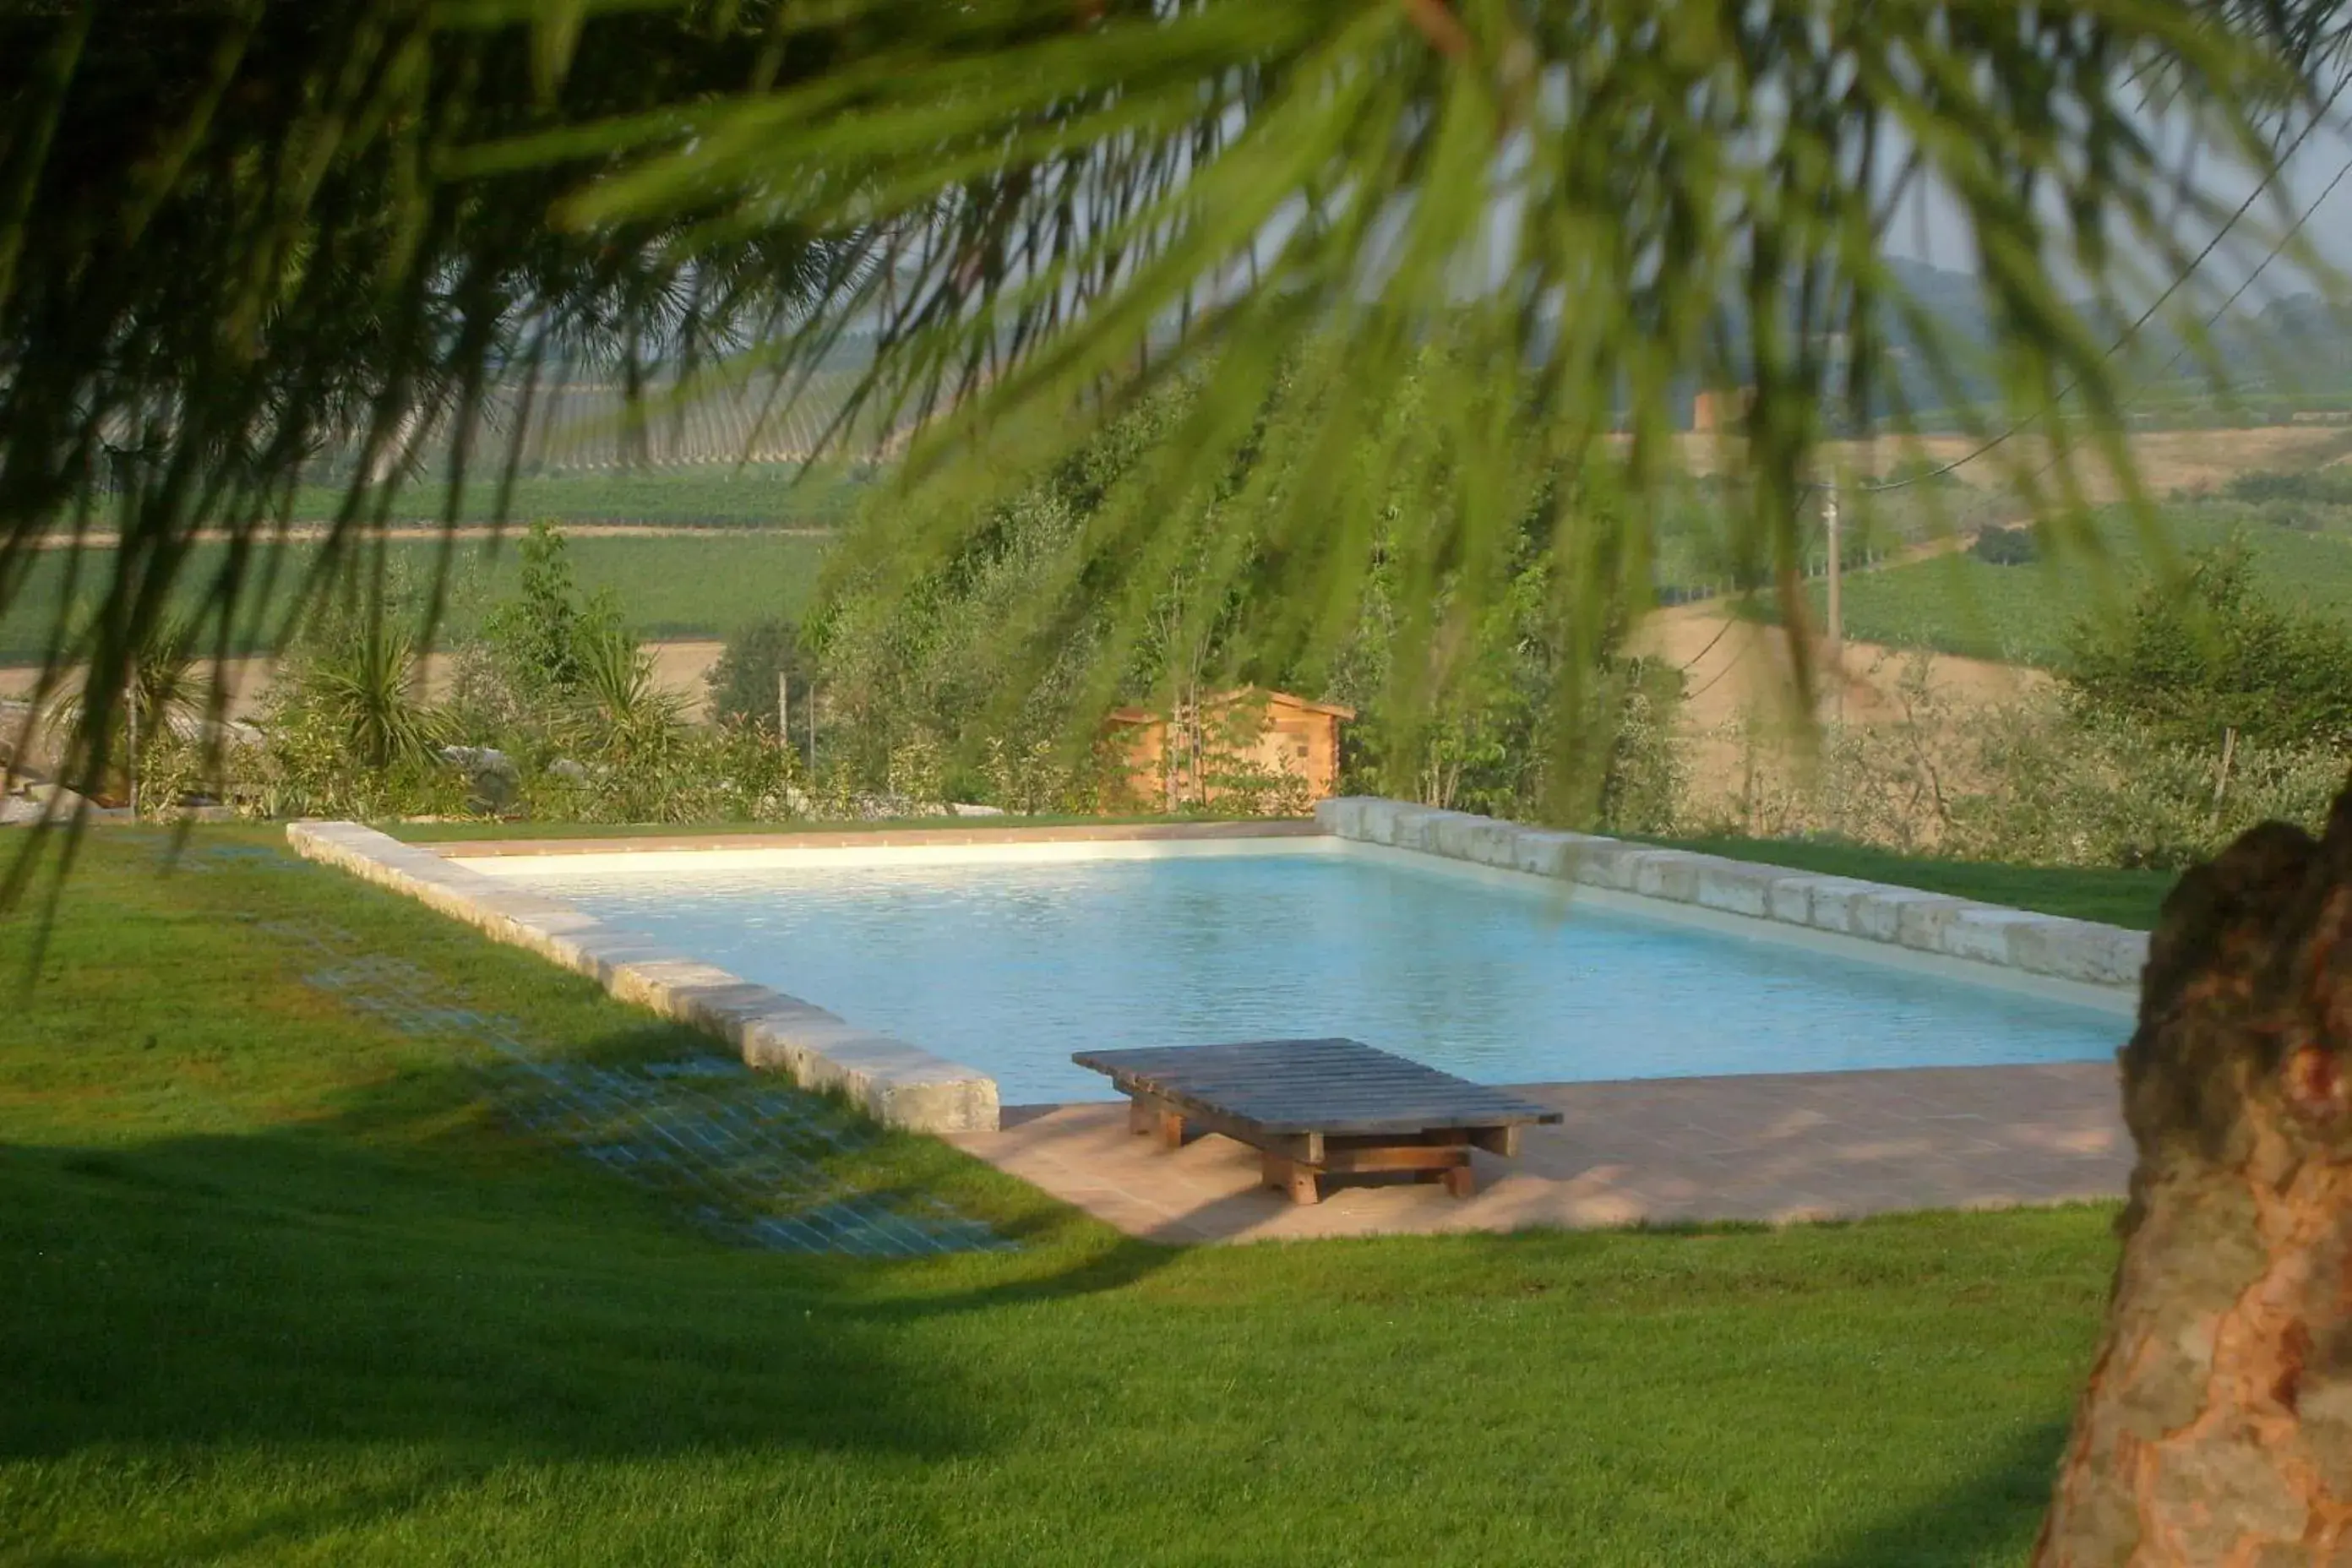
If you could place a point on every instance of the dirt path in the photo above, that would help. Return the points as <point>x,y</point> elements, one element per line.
<point>310,532</point>
<point>679,667</point>
<point>1736,669</point>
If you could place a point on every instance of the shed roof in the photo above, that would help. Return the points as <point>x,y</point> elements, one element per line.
<point>1133,715</point>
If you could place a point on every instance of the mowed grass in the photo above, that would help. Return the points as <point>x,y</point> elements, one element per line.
<point>276,1287</point>
<point>2025,614</point>
<point>667,587</point>
<point>2111,895</point>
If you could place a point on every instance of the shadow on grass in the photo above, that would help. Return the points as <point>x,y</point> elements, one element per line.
<point>1977,1520</point>
<point>393,1281</point>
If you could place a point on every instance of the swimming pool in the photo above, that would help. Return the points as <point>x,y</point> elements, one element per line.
<point>1010,962</point>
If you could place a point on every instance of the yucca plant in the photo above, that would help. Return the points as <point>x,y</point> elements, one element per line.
<point>172,696</point>
<point>624,714</point>
<point>365,681</point>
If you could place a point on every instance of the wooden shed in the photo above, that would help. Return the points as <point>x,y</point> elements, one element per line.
<point>1721,413</point>
<point>1246,729</point>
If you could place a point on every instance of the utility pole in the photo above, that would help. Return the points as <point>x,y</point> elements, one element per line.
<point>131,711</point>
<point>784,708</point>
<point>1837,606</point>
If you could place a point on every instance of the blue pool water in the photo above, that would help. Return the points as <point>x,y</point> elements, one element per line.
<point>1011,966</point>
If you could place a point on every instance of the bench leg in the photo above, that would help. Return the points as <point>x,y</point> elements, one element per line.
<point>1288,1175</point>
<point>1150,1116</point>
<point>1459,1181</point>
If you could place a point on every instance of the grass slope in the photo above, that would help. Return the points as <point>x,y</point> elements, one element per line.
<point>275,1287</point>
<point>680,586</point>
<point>2023,615</point>
<point>2113,896</point>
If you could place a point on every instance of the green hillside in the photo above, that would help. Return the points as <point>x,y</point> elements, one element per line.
<point>1957,603</point>
<point>676,585</point>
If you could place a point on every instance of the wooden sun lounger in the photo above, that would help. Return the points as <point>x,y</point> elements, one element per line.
<point>1319,1107</point>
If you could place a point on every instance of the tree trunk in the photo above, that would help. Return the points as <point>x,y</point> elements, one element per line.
<point>2217,1423</point>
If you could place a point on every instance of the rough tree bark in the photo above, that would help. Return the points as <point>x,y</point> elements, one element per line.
<point>2217,1424</point>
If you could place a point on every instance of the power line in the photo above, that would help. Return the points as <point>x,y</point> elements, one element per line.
<point>2214,319</point>
<point>2179,282</point>
<point>1994,503</point>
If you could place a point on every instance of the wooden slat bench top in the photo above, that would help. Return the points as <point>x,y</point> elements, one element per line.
<point>1297,1087</point>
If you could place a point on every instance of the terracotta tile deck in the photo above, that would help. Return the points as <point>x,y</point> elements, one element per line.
<point>1779,1147</point>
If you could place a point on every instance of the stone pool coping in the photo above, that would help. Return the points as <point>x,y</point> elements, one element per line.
<point>2053,947</point>
<point>896,1083</point>
<point>875,838</point>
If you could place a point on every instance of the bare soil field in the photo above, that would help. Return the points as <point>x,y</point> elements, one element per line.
<point>302,532</point>
<point>1736,671</point>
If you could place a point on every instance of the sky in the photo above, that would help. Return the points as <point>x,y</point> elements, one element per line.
<point>1942,239</point>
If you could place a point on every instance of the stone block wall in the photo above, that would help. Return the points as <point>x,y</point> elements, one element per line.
<point>2051,946</point>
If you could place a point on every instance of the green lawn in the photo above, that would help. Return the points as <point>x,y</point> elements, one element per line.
<point>680,586</point>
<point>276,1286</point>
<point>2115,897</point>
<point>1957,603</point>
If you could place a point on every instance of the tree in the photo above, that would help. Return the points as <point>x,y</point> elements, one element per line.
<point>742,683</point>
<point>2206,660</point>
<point>238,239</point>
<point>540,636</point>
<point>235,236</point>
<point>2211,1430</point>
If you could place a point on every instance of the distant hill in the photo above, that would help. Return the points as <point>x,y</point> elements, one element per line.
<point>2268,358</point>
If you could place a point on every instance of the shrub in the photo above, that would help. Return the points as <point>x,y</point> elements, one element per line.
<point>732,774</point>
<point>2299,516</point>
<point>621,711</point>
<point>2006,547</point>
<point>346,732</point>
<point>2325,487</point>
<point>2034,782</point>
<point>1044,776</point>
<point>1646,778</point>
<point>2115,794</point>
